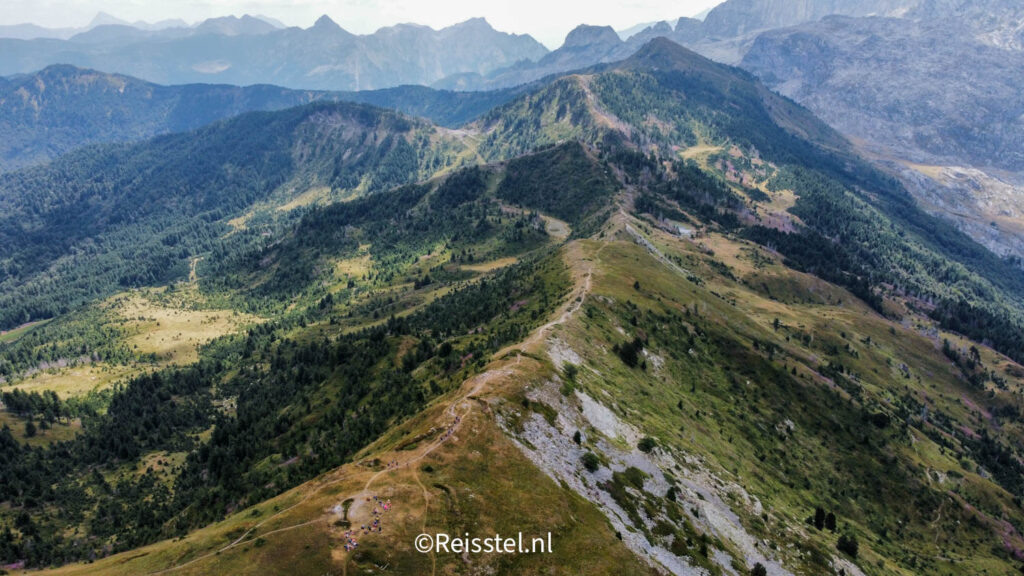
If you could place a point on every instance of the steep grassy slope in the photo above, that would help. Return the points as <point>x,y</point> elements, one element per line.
<point>857,221</point>
<point>775,393</point>
<point>730,383</point>
<point>691,309</point>
<point>451,273</point>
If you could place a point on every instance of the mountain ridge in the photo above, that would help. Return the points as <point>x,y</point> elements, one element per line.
<point>650,306</point>
<point>250,51</point>
<point>62,107</point>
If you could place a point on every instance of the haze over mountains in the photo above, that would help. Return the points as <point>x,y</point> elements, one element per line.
<point>937,93</point>
<point>249,50</point>
<point>685,316</point>
<point>901,77</point>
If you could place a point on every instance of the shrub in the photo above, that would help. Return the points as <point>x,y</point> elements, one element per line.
<point>629,353</point>
<point>570,370</point>
<point>647,444</point>
<point>847,545</point>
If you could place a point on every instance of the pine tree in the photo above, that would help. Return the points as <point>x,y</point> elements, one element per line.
<point>819,518</point>
<point>830,522</point>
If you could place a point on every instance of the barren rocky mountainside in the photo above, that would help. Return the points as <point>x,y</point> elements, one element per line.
<point>938,90</point>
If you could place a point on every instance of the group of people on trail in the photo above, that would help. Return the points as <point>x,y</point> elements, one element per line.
<point>451,429</point>
<point>380,506</point>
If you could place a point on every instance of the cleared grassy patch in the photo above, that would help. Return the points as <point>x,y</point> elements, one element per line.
<point>57,432</point>
<point>173,333</point>
<point>76,381</point>
<point>699,151</point>
<point>490,266</point>
<point>307,198</point>
<point>12,335</point>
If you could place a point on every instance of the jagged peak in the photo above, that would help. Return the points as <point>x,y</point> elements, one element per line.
<point>659,28</point>
<point>105,19</point>
<point>325,23</point>
<point>689,25</point>
<point>477,22</point>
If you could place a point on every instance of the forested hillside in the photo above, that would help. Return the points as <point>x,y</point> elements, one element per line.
<point>867,231</point>
<point>61,108</point>
<point>110,217</point>
<point>648,306</point>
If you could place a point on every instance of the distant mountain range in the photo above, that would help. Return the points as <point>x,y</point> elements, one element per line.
<point>45,114</point>
<point>32,31</point>
<point>932,82</point>
<point>250,50</point>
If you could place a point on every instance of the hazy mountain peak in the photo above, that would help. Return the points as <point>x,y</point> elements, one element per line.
<point>685,23</point>
<point>269,20</point>
<point>627,33</point>
<point>586,35</point>
<point>67,70</point>
<point>105,19</point>
<point>737,17</point>
<point>663,53</point>
<point>656,30</point>
<point>660,27</point>
<point>477,22</point>
<point>235,26</point>
<point>325,23</point>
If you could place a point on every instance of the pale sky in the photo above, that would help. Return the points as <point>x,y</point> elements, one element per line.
<point>546,20</point>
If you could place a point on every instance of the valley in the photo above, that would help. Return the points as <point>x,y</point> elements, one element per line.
<point>648,309</point>
<point>447,458</point>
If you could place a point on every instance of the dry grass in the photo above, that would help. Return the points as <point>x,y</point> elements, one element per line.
<point>476,478</point>
<point>356,266</point>
<point>557,229</point>
<point>933,172</point>
<point>311,196</point>
<point>76,381</point>
<point>56,433</point>
<point>698,151</point>
<point>174,334</point>
<point>490,266</point>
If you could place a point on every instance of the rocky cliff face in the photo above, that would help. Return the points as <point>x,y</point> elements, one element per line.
<point>940,86</point>
<point>738,17</point>
<point>923,87</point>
<point>987,206</point>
